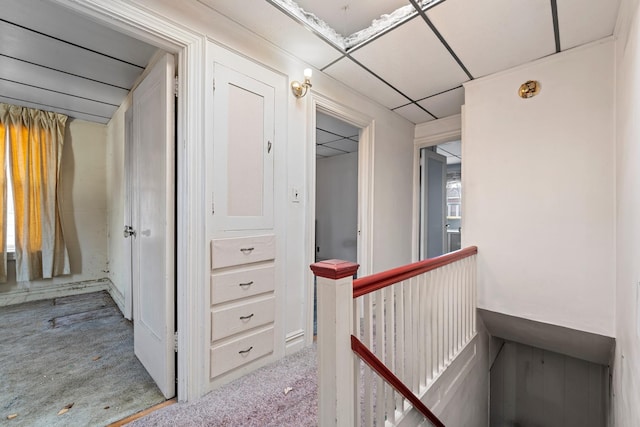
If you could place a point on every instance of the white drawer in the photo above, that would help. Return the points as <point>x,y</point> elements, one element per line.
<point>241,317</point>
<point>241,351</point>
<point>241,283</point>
<point>242,250</point>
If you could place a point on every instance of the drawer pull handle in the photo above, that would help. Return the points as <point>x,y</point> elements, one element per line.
<point>245,284</point>
<point>246,317</point>
<point>246,251</point>
<point>245,351</point>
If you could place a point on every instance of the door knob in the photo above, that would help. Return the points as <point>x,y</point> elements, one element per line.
<point>129,231</point>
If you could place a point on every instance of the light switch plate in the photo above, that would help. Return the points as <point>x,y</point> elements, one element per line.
<point>296,195</point>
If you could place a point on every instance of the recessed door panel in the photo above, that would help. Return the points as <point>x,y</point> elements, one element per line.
<point>243,151</point>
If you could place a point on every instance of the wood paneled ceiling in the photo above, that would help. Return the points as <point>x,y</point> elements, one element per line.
<point>56,60</point>
<point>414,61</point>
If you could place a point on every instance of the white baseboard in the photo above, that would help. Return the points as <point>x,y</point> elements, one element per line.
<point>294,341</point>
<point>116,295</point>
<point>20,296</point>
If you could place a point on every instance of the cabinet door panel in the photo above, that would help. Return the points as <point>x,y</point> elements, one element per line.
<point>243,151</point>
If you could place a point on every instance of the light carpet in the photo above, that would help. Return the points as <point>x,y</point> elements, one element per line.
<point>255,400</point>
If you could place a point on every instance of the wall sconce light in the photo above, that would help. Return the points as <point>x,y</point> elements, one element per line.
<point>529,89</point>
<point>300,89</point>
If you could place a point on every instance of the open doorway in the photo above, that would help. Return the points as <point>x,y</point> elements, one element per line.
<point>92,209</point>
<point>336,195</point>
<point>440,207</point>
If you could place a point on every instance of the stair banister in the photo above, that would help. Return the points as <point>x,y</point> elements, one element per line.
<point>336,360</point>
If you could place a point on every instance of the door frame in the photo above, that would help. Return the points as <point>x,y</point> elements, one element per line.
<point>426,135</point>
<point>189,47</point>
<point>320,103</point>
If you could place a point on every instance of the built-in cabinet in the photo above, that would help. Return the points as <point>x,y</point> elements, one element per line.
<point>242,301</point>
<point>247,135</point>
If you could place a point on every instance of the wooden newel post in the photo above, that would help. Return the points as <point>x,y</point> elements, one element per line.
<point>336,398</point>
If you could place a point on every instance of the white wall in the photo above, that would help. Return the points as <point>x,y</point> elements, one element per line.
<point>83,213</point>
<point>539,190</point>
<point>626,367</point>
<point>337,207</point>
<point>392,153</point>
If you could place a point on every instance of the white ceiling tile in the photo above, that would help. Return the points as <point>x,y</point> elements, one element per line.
<point>323,137</point>
<point>335,126</point>
<point>346,145</point>
<point>354,76</point>
<point>325,151</point>
<point>414,114</point>
<point>267,21</point>
<point>583,21</point>
<point>413,60</point>
<point>445,104</point>
<point>494,35</point>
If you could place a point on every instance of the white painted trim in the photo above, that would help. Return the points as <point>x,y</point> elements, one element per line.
<point>437,131</point>
<point>294,341</point>
<point>426,135</point>
<point>192,269</point>
<point>38,294</point>
<point>116,296</point>
<point>366,151</point>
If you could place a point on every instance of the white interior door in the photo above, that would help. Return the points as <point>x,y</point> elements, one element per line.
<point>153,207</point>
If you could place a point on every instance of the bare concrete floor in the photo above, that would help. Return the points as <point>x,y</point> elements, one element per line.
<point>74,352</point>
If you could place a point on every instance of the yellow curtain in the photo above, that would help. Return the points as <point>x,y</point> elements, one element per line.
<point>35,149</point>
<point>3,204</point>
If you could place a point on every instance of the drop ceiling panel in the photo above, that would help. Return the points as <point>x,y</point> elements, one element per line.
<point>445,104</point>
<point>61,23</point>
<point>74,114</point>
<point>346,145</point>
<point>267,21</point>
<point>414,114</point>
<point>335,126</point>
<point>32,47</point>
<point>583,21</point>
<point>53,99</point>
<point>413,60</point>
<point>324,151</point>
<point>46,78</point>
<point>354,76</point>
<point>323,137</point>
<point>494,35</point>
